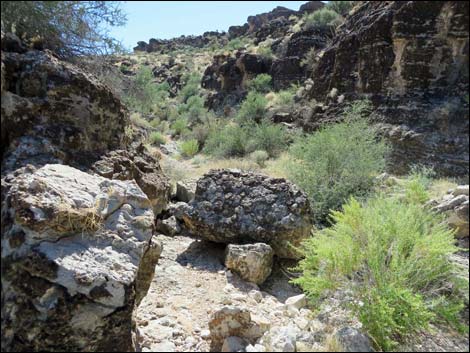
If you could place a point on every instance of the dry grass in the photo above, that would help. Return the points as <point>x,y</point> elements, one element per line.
<point>439,187</point>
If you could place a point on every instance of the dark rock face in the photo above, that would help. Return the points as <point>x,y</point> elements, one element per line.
<point>411,59</point>
<point>167,45</point>
<point>286,71</point>
<point>257,21</point>
<point>231,206</point>
<point>311,6</point>
<point>301,42</point>
<point>57,105</point>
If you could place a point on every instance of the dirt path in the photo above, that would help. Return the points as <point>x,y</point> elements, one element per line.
<point>190,283</point>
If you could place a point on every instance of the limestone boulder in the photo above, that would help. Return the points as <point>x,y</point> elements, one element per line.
<point>78,255</point>
<point>235,207</point>
<point>253,262</point>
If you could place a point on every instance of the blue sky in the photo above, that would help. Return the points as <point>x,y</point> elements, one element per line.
<point>168,19</point>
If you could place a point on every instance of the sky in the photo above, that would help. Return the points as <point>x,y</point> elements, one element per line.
<point>168,19</point>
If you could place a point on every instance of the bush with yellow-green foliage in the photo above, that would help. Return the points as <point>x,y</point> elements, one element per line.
<point>261,83</point>
<point>394,256</point>
<point>157,138</point>
<point>338,161</point>
<point>189,148</point>
<point>253,108</point>
<point>321,18</point>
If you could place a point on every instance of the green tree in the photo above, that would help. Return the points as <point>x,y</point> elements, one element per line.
<point>69,28</point>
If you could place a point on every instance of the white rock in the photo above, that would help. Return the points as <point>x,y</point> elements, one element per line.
<point>255,348</point>
<point>297,302</point>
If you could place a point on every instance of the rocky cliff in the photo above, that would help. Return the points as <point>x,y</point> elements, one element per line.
<point>411,59</point>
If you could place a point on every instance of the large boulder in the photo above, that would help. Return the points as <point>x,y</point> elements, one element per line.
<point>253,262</point>
<point>77,257</point>
<point>141,166</point>
<point>58,105</point>
<point>238,207</point>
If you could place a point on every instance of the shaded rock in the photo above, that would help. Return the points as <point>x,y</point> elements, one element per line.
<point>253,262</point>
<point>77,257</point>
<point>236,207</point>
<point>58,104</point>
<point>234,344</point>
<point>141,166</point>
<point>185,190</point>
<point>311,6</point>
<point>285,71</point>
<point>352,340</point>
<point>169,226</point>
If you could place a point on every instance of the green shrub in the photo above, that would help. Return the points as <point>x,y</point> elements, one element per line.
<point>321,18</point>
<point>253,108</point>
<point>146,96</point>
<point>229,141</point>
<point>261,83</point>
<point>265,51</point>
<point>180,126</point>
<point>268,137</point>
<point>285,98</point>
<point>193,109</point>
<point>394,256</point>
<point>136,119</point>
<point>191,88</point>
<point>201,131</point>
<point>189,148</point>
<point>156,138</point>
<point>259,157</point>
<point>236,43</point>
<point>340,7</point>
<point>338,161</point>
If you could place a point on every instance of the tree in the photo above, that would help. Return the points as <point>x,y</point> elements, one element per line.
<point>69,28</point>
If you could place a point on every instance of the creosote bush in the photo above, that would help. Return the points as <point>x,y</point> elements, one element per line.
<point>338,161</point>
<point>321,18</point>
<point>253,108</point>
<point>156,138</point>
<point>261,83</point>
<point>189,148</point>
<point>395,257</point>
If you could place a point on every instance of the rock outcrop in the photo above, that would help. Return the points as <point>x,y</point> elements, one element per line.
<point>56,106</point>
<point>77,255</point>
<point>411,59</point>
<point>231,206</point>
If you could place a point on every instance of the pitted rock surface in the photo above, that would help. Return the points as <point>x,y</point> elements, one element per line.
<point>141,166</point>
<point>77,253</point>
<point>232,206</point>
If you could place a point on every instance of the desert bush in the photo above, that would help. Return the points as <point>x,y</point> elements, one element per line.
<point>229,141</point>
<point>189,148</point>
<point>338,161</point>
<point>193,109</point>
<point>137,120</point>
<point>201,131</point>
<point>157,138</point>
<point>417,184</point>
<point>321,18</point>
<point>180,126</point>
<point>261,83</point>
<point>268,137</point>
<point>259,157</point>
<point>265,51</point>
<point>253,108</point>
<point>340,7</point>
<point>145,96</point>
<point>394,256</point>
<point>191,88</point>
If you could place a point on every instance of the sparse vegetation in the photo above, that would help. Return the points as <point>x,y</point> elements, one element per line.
<point>321,18</point>
<point>253,108</point>
<point>156,138</point>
